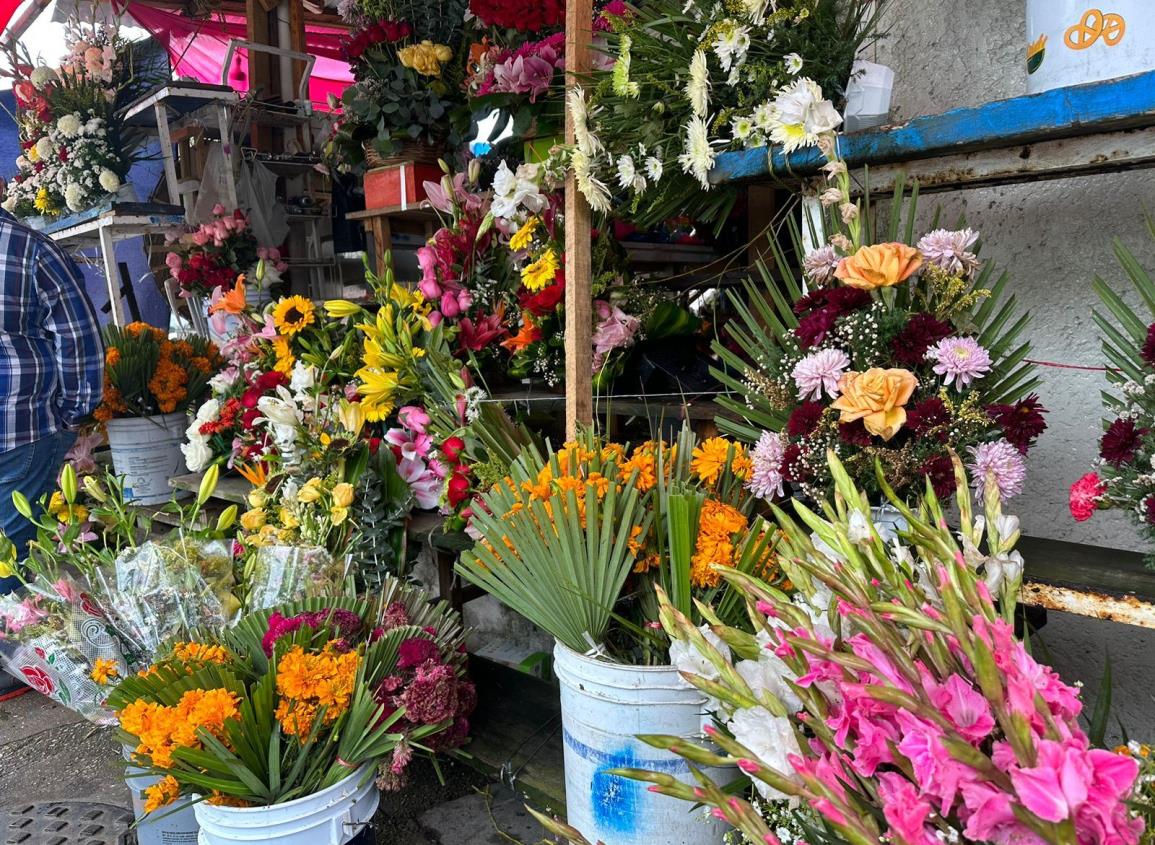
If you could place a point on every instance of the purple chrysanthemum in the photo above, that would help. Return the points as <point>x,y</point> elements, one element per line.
<point>951,250</point>
<point>1001,463</point>
<point>819,264</point>
<point>820,371</point>
<point>766,478</point>
<point>960,360</point>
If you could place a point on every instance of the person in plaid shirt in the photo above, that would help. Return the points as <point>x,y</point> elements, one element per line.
<point>51,369</point>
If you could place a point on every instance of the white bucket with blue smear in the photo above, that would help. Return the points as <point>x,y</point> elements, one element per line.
<point>146,453</point>
<point>1071,42</point>
<point>333,816</point>
<point>604,706</point>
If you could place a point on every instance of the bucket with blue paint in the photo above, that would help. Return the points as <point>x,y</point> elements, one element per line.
<point>146,453</point>
<point>604,706</point>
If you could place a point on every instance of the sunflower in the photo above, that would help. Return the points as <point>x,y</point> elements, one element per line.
<point>293,314</point>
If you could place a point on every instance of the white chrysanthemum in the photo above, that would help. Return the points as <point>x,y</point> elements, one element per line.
<point>698,157</point>
<point>628,175</point>
<point>801,115</point>
<point>41,76</point>
<point>764,116</point>
<point>755,10</point>
<point>592,188</point>
<point>69,125</point>
<point>109,181</point>
<point>698,87</point>
<point>579,114</point>
<point>74,197</point>
<point>44,149</point>
<point>654,168</point>
<point>731,46</point>
<point>793,63</point>
<point>743,128</point>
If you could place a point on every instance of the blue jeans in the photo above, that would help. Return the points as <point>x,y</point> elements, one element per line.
<point>32,470</point>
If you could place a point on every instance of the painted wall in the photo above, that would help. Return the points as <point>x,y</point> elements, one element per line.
<point>1054,237</point>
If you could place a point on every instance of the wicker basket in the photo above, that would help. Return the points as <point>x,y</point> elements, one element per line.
<point>419,152</point>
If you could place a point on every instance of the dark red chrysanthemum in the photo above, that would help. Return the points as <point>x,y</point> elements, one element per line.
<point>813,328</point>
<point>940,471</point>
<point>928,415</point>
<point>1021,423</point>
<point>854,433</point>
<point>1121,442</point>
<point>792,467</point>
<point>1148,351</point>
<point>1149,510</point>
<point>920,333</point>
<point>820,309</point>
<point>804,419</point>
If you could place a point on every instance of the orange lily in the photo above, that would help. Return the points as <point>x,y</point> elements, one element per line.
<point>234,301</point>
<point>527,334</point>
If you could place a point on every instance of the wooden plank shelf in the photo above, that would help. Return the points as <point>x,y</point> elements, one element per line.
<point>1083,129</point>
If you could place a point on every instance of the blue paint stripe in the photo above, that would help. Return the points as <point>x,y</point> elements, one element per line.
<point>673,766</point>
<point>1126,103</point>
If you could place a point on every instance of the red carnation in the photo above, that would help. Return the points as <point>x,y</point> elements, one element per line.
<point>792,467</point>
<point>1121,442</point>
<point>522,15</point>
<point>1021,423</point>
<point>804,419</point>
<point>813,328</point>
<point>1086,493</point>
<point>920,333</point>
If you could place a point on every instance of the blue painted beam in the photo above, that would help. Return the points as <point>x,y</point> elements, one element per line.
<point>1126,103</point>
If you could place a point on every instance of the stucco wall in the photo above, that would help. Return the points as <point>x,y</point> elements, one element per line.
<point>1054,237</point>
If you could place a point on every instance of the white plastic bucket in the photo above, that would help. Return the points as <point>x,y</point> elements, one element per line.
<point>332,816</point>
<point>868,96</point>
<point>175,824</point>
<point>1070,42</point>
<point>146,451</point>
<point>603,707</point>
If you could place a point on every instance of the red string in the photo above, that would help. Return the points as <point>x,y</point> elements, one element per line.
<point>1069,366</point>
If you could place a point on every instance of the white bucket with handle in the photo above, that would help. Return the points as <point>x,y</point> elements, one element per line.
<point>333,816</point>
<point>175,824</point>
<point>1071,42</point>
<point>146,452</point>
<point>603,707</point>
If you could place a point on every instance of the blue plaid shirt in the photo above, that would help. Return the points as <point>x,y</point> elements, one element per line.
<point>51,354</point>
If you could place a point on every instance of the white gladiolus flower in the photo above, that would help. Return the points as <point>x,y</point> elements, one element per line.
<point>698,88</point>
<point>109,181</point>
<point>770,739</point>
<point>698,158</point>
<point>685,658</point>
<point>69,125</point>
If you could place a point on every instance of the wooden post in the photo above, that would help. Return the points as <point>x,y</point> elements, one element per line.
<point>579,403</point>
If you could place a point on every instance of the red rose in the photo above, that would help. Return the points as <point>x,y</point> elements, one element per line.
<point>452,448</point>
<point>458,489</point>
<point>271,380</point>
<point>38,679</point>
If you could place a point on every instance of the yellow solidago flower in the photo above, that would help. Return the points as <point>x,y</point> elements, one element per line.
<point>293,314</point>
<point>524,236</point>
<point>540,273</point>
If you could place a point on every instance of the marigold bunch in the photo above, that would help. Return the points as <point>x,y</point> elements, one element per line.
<point>309,684</point>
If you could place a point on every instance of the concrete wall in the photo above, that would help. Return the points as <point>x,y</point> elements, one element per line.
<point>1053,237</point>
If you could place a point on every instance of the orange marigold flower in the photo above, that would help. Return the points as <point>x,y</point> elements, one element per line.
<point>104,670</point>
<point>161,794</point>
<point>717,526</point>
<point>712,456</point>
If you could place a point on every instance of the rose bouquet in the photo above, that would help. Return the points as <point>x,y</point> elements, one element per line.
<point>293,700</point>
<point>1123,476</point>
<point>208,261</point>
<point>146,373</point>
<point>884,350</point>
<point>907,711</point>
<point>685,81</point>
<point>573,540</point>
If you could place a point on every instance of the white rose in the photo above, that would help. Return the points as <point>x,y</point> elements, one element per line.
<point>109,181</point>
<point>197,454</point>
<point>771,740</point>
<point>68,125</point>
<point>208,412</point>
<point>74,197</point>
<point>685,658</point>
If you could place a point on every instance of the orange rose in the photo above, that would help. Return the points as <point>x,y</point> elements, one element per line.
<point>879,266</point>
<point>877,398</point>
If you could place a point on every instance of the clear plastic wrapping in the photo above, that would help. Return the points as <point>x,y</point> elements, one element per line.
<point>287,573</point>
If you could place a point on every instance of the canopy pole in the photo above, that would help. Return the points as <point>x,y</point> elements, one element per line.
<point>578,254</point>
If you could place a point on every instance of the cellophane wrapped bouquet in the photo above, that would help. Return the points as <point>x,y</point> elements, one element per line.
<point>901,707</point>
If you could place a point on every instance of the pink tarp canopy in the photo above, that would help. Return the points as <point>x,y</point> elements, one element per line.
<point>197,49</point>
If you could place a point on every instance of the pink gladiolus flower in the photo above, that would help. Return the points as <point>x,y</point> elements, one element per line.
<point>906,811</point>
<point>1057,787</point>
<point>966,707</point>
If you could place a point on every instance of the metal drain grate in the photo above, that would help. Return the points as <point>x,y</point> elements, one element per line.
<point>66,823</point>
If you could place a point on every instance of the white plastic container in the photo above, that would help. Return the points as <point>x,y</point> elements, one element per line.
<point>146,451</point>
<point>603,707</point>
<point>332,816</point>
<point>175,824</point>
<point>1070,42</point>
<point>868,96</point>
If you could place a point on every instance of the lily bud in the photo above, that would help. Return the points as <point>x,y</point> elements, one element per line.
<point>95,489</point>
<point>68,483</point>
<point>208,484</point>
<point>227,518</point>
<point>22,505</point>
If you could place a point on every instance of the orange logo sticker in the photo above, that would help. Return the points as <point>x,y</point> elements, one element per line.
<point>1095,25</point>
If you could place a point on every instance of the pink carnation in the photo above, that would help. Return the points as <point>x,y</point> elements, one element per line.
<point>1086,494</point>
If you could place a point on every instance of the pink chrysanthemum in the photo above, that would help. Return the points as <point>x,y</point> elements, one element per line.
<point>1001,463</point>
<point>951,250</point>
<point>820,371</point>
<point>960,360</point>
<point>819,264</point>
<point>766,456</point>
